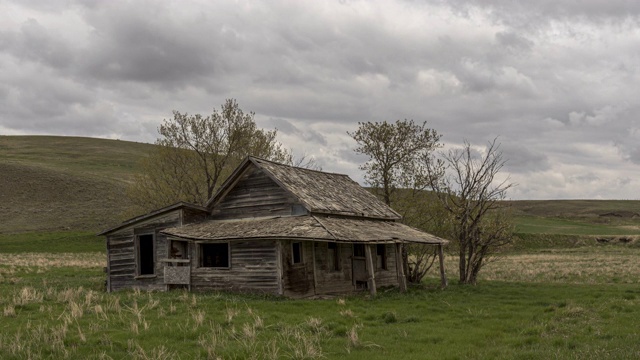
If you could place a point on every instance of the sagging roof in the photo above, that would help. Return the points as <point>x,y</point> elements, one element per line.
<point>318,228</point>
<point>164,210</point>
<point>320,192</point>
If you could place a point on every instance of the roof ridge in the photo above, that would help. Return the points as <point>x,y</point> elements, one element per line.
<point>296,167</point>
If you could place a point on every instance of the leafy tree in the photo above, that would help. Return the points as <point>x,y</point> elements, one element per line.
<point>472,195</point>
<point>396,172</point>
<point>195,154</point>
<point>393,151</point>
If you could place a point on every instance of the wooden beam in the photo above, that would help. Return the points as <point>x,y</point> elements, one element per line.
<point>370,270</point>
<point>402,280</point>
<point>108,245</point>
<point>315,278</point>
<point>279,265</point>
<point>443,275</point>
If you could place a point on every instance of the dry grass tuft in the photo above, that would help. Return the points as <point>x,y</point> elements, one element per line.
<point>42,261</point>
<point>565,266</point>
<point>9,311</point>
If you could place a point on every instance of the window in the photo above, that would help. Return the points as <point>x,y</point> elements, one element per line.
<point>146,256</point>
<point>214,255</point>
<point>381,256</point>
<point>358,250</point>
<point>333,256</point>
<point>296,252</point>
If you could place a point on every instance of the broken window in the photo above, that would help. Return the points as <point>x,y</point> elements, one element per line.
<point>214,255</point>
<point>146,256</point>
<point>358,250</point>
<point>381,256</point>
<point>296,252</point>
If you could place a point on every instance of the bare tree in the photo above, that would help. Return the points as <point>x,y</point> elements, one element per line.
<point>472,194</point>
<point>195,154</point>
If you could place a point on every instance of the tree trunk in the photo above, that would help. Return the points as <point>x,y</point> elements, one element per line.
<point>462,262</point>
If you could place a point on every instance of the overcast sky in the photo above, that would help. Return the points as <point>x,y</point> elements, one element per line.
<point>557,81</point>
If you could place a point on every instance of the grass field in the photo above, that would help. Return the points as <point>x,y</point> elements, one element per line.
<point>568,303</point>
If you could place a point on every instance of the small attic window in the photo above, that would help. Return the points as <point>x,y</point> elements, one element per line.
<point>298,210</point>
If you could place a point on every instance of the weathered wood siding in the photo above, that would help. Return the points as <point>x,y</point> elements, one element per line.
<point>387,277</point>
<point>190,216</point>
<point>297,278</point>
<point>254,195</point>
<point>122,253</point>
<point>253,269</point>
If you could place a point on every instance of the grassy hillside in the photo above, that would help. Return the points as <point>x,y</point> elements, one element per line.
<point>63,183</point>
<point>73,183</point>
<point>577,217</point>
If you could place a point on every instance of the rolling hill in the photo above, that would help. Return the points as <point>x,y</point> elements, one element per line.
<point>64,183</point>
<point>55,183</point>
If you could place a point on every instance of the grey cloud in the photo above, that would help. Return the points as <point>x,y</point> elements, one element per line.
<point>521,159</point>
<point>33,42</point>
<point>129,45</point>
<point>512,40</point>
<point>302,131</point>
<point>556,80</point>
<point>584,178</point>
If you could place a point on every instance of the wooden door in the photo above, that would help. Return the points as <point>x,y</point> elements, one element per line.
<point>359,266</point>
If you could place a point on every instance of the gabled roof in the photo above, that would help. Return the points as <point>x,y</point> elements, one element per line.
<point>164,210</point>
<point>315,228</point>
<point>320,192</point>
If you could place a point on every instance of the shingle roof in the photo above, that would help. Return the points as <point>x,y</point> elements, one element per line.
<point>305,228</point>
<point>320,192</point>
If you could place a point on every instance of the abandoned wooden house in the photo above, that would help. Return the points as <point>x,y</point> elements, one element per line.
<point>271,228</point>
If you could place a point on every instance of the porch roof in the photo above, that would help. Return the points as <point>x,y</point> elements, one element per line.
<point>319,228</point>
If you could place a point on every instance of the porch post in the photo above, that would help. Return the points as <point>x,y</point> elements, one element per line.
<point>315,278</point>
<point>402,280</point>
<point>443,275</point>
<point>370,270</point>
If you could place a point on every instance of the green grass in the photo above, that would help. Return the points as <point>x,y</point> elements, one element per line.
<point>52,242</point>
<point>70,317</point>
<point>556,302</point>
<point>574,208</point>
<point>560,226</point>
<point>111,160</point>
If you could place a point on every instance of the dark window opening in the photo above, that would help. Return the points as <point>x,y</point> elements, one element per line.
<point>333,256</point>
<point>296,249</point>
<point>214,255</point>
<point>358,250</point>
<point>381,256</point>
<point>146,264</point>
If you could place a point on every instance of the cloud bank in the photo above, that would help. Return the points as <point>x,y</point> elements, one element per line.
<point>556,82</point>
